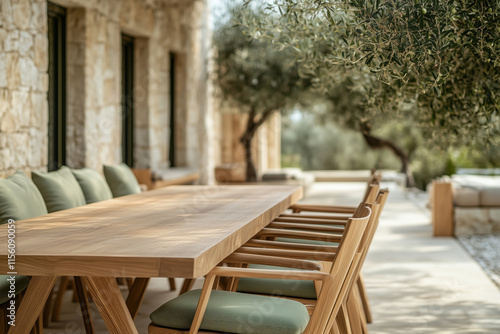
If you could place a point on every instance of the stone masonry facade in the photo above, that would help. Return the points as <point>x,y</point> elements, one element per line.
<point>93,87</point>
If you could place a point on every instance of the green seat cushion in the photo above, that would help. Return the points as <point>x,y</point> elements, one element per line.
<point>59,189</point>
<point>232,312</point>
<point>93,184</point>
<point>21,284</point>
<point>277,287</point>
<point>20,199</point>
<point>121,180</point>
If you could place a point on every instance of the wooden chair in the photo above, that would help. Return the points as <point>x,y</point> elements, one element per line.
<point>200,309</point>
<point>339,213</point>
<point>354,305</point>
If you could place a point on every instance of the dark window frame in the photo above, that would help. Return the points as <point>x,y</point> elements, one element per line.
<point>128,100</point>
<point>56,96</point>
<point>173,101</point>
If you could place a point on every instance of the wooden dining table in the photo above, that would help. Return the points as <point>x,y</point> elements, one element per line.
<point>178,231</point>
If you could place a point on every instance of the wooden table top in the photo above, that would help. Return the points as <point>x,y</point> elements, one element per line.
<point>178,231</point>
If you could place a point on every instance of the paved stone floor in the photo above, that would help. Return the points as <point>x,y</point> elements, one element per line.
<point>416,283</point>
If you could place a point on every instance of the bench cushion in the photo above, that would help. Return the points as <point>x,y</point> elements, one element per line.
<point>232,312</point>
<point>20,199</point>
<point>490,197</point>
<point>21,284</point>
<point>121,180</point>
<point>466,197</point>
<point>93,184</point>
<point>59,189</point>
<point>277,287</point>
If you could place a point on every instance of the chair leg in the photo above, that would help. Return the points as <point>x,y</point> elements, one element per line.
<point>136,294</point>
<point>364,298</point>
<point>171,281</point>
<point>353,313</point>
<point>344,325</point>
<point>187,285</point>
<point>56,310</point>
<point>74,298</point>
<point>361,311</point>
<point>83,299</point>
<point>335,329</point>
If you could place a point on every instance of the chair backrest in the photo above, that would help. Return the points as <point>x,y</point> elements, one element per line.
<point>362,250</point>
<point>329,301</point>
<point>371,193</point>
<point>374,179</point>
<point>373,224</point>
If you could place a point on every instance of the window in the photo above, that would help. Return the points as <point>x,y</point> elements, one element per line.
<point>128,100</point>
<point>171,141</point>
<point>57,86</point>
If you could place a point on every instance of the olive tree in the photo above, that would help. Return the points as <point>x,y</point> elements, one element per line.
<point>253,77</point>
<point>434,62</point>
<point>443,56</point>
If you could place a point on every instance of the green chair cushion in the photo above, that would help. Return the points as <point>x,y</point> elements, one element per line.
<point>277,287</point>
<point>59,189</point>
<point>232,312</point>
<point>21,284</point>
<point>121,180</point>
<point>93,184</point>
<point>20,199</point>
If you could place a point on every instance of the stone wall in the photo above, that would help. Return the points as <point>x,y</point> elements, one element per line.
<point>23,86</point>
<point>471,221</point>
<point>94,83</point>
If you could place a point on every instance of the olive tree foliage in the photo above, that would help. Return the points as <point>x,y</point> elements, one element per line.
<point>436,61</point>
<point>253,77</point>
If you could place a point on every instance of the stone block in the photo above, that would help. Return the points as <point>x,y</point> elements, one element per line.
<point>6,14</point>
<point>3,35</point>
<point>5,158</point>
<point>29,72</point>
<point>9,123</point>
<point>470,221</point>
<point>19,145</point>
<point>4,101</point>
<point>21,14</point>
<point>41,54</point>
<point>39,17</point>
<point>494,218</point>
<point>3,72</point>
<point>13,70</point>
<point>42,84</point>
<point>25,43</point>
<point>11,42</point>
<point>35,153</point>
<point>40,108</point>
<point>22,108</point>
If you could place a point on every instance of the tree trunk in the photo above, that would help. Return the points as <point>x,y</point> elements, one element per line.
<point>246,140</point>
<point>380,143</point>
<point>251,172</point>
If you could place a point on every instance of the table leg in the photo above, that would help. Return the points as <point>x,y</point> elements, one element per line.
<point>136,294</point>
<point>81,291</point>
<point>108,298</point>
<point>32,304</point>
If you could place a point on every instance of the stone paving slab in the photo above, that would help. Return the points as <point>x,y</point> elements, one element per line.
<point>416,283</point>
